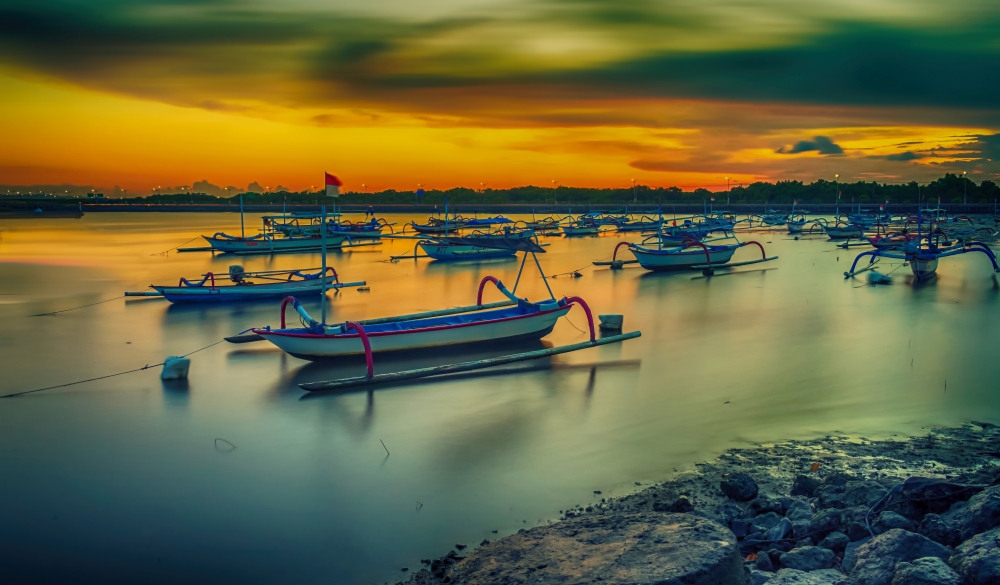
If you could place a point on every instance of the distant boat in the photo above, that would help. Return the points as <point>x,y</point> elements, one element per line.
<point>277,283</point>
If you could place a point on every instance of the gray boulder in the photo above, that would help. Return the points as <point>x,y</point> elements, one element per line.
<point>888,520</point>
<point>850,553</point>
<point>977,560</point>
<point>979,514</point>
<point>780,530</point>
<point>804,485</point>
<point>764,504</point>
<point>830,496</point>
<point>824,522</point>
<point>926,571</point>
<point>939,530</point>
<point>875,561</point>
<point>759,578</point>
<point>766,521</point>
<point>763,562</point>
<point>863,493</point>
<point>821,577</point>
<point>808,558</point>
<point>799,511</point>
<point>739,486</point>
<point>835,541</point>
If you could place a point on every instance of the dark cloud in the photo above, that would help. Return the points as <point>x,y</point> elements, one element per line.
<point>219,54</point>
<point>905,156</point>
<point>820,144</point>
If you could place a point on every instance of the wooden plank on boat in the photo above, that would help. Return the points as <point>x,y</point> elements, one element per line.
<point>462,367</point>
<point>859,271</point>
<point>198,249</point>
<point>408,256</point>
<point>143,293</point>
<point>247,338</point>
<point>608,262</point>
<point>735,264</point>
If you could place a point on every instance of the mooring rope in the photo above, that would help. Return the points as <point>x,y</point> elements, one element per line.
<point>145,367</point>
<point>175,247</point>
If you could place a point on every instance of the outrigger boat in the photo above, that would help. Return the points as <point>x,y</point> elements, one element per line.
<point>475,247</point>
<point>923,258</point>
<point>547,224</point>
<point>270,243</point>
<point>584,226</point>
<point>692,254</point>
<point>843,231</point>
<point>307,224</point>
<point>278,283</point>
<point>509,320</point>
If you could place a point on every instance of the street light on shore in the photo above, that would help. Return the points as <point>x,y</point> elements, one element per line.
<point>965,188</point>
<point>635,196</point>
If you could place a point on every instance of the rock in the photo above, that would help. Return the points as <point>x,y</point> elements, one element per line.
<point>799,510</point>
<point>979,514</point>
<point>759,578</point>
<point>824,522</point>
<point>937,529</point>
<point>767,521</point>
<point>780,530</point>
<point>857,531</point>
<point>821,577</point>
<point>926,571</point>
<point>809,558</point>
<point>830,496</point>
<point>875,561</point>
<point>835,541</point>
<point>888,520</point>
<point>740,528</point>
<point>680,505</point>
<point>763,562</point>
<point>739,486</point>
<point>764,504</point>
<point>863,493</point>
<point>804,485</point>
<point>850,552</point>
<point>671,549</point>
<point>922,495</point>
<point>977,560</point>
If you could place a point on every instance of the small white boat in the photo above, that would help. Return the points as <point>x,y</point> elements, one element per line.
<point>681,258</point>
<point>270,244</point>
<point>277,283</point>
<point>843,231</point>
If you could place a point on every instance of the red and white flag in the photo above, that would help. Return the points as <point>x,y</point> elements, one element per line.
<point>332,185</point>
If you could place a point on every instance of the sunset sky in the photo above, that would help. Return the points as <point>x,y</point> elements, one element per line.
<point>445,93</point>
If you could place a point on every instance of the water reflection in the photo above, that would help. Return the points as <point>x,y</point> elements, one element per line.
<point>788,350</point>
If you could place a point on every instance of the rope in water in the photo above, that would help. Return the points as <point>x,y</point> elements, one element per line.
<point>145,367</point>
<point>175,247</point>
<point>81,306</point>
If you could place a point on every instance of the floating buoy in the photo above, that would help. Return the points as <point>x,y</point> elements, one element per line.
<point>611,322</point>
<point>175,368</point>
<point>617,264</point>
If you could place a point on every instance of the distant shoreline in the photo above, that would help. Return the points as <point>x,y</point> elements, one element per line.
<point>491,208</point>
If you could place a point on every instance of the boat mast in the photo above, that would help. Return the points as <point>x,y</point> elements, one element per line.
<point>242,231</point>
<point>322,287</point>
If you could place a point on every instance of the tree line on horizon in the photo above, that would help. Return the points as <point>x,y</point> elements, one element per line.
<point>950,188</point>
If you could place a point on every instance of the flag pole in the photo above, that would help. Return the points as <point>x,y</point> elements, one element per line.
<point>322,288</point>
<point>243,233</point>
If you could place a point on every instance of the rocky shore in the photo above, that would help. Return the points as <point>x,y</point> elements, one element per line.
<point>833,511</point>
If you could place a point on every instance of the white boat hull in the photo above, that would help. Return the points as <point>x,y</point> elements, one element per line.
<point>242,292</point>
<point>693,256</point>
<point>532,326</point>
<point>590,230</point>
<point>924,269</point>
<point>272,245</point>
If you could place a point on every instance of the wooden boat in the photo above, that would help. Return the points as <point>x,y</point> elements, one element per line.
<point>441,250</point>
<point>436,225</point>
<point>843,231</point>
<point>516,319</point>
<point>270,243</point>
<point>894,240</point>
<point>547,224</point>
<point>923,259</point>
<point>278,283</point>
<point>692,254</point>
<point>307,224</point>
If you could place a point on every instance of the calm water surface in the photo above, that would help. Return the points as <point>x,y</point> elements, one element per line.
<point>122,479</point>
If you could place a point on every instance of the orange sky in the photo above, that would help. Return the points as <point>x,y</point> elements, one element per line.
<point>391,101</point>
